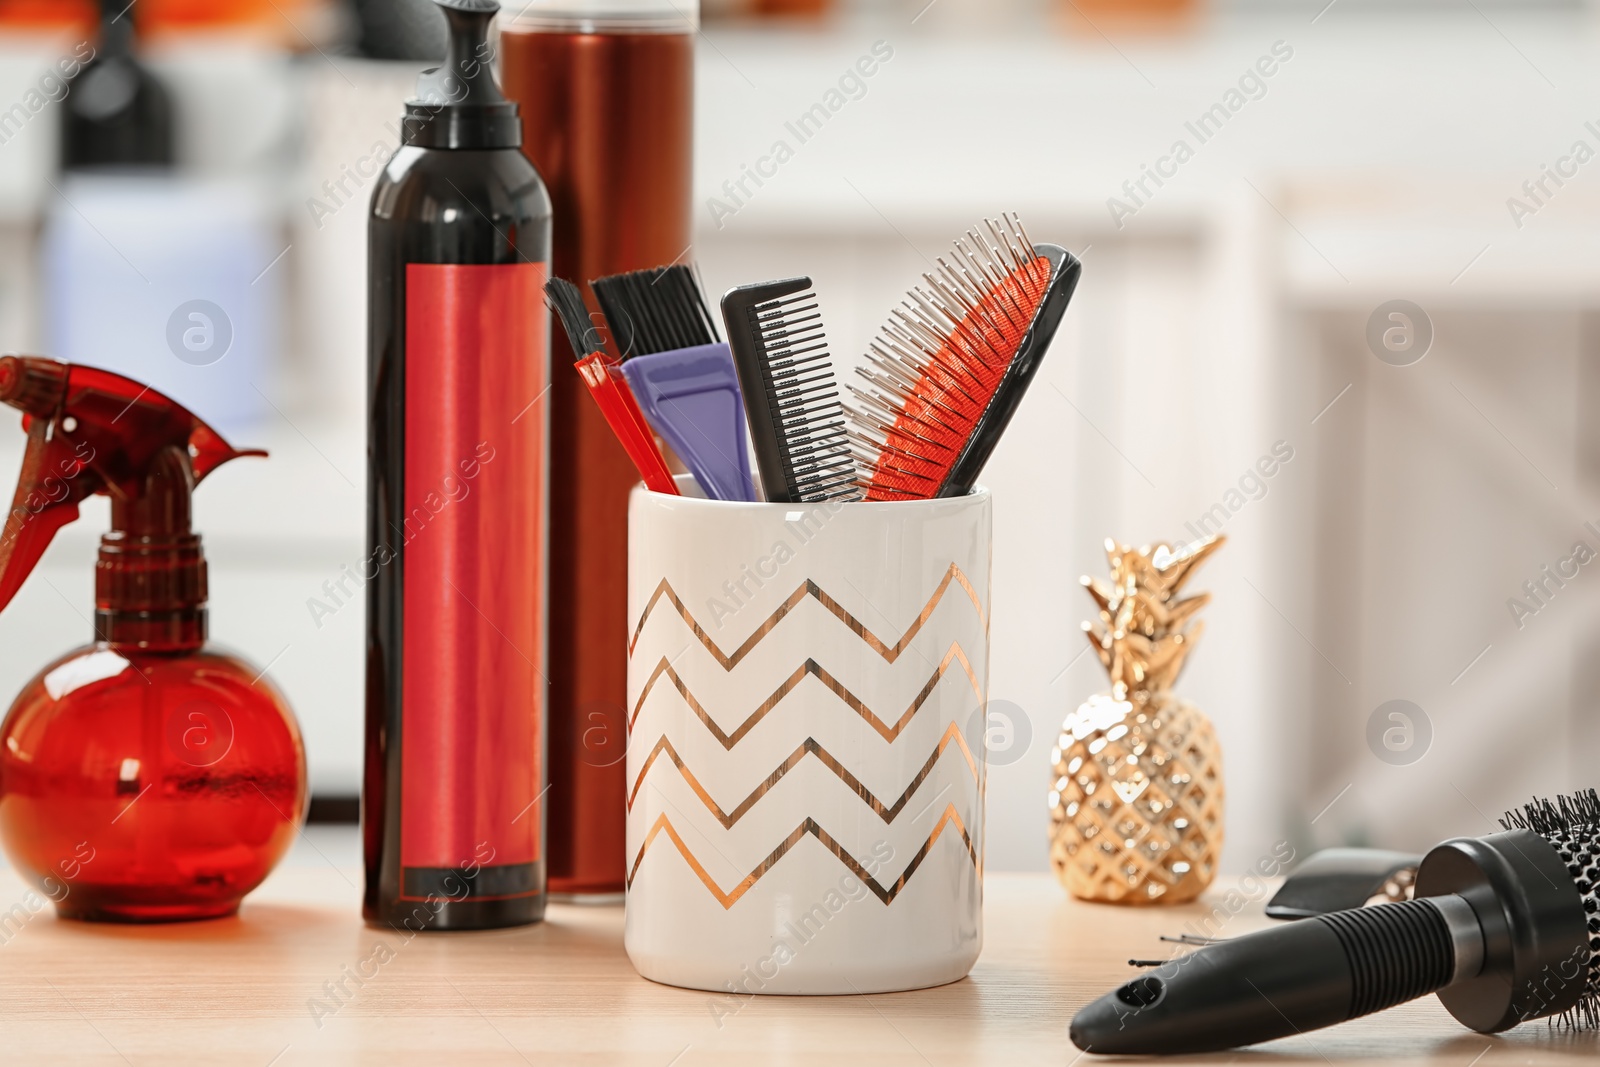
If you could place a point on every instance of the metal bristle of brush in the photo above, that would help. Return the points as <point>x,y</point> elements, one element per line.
<point>791,395</point>
<point>950,367</point>
<point>582,334</point>
<point>1572,826</point>
<point>655,310</point>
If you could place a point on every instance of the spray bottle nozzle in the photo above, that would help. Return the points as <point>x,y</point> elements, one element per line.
<point>34,386</point>
<point>91,431</point>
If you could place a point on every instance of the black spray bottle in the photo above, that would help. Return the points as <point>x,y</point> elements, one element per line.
<point>458,365</point>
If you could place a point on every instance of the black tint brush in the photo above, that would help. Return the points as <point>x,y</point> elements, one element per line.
<point>682,375</point>
<point>655,310</point>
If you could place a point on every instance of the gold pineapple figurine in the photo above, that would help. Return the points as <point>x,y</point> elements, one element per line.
<point>1136,793</point>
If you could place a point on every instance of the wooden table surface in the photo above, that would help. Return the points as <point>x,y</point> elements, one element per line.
<point>260,989</point>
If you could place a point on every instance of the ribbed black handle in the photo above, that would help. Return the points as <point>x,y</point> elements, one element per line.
<point>1397,952</point>
<point>1275,983</point>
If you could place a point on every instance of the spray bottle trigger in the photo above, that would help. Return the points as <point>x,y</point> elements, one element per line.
<point>43,504</point>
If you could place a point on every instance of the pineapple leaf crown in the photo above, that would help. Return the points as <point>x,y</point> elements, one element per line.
<point>1145,631</point>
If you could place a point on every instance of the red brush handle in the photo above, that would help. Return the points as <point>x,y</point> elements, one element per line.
<point>622,414</point>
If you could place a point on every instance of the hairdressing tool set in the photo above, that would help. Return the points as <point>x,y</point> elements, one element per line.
<point>943,378</point>
<point>1505,928</point>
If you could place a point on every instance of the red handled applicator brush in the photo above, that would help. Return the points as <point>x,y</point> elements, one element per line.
<point>950,367</point>
<point>609,389</point>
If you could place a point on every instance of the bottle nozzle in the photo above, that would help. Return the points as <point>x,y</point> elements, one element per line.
<point>458,104</point>
<point>34,386</point>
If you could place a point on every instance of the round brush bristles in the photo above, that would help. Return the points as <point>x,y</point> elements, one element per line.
<point>1572,825</point>
<point>935,366</point>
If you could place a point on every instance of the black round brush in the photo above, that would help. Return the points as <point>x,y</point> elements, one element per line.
<point>1505,928</point>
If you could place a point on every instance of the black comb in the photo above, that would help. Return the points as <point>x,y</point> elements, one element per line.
<point>791,396</point>
<point>655,310</point>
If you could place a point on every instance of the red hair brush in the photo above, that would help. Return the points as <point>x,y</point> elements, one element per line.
<point>948,370</point>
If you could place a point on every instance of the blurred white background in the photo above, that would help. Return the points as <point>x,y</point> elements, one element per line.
<point>1222,312</point>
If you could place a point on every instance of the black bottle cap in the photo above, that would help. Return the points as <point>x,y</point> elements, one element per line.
<point>116,113</point>
<point>458,105</point>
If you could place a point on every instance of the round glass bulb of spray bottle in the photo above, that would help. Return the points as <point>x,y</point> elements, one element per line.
<point>144,786</point>
<point>143,777</point>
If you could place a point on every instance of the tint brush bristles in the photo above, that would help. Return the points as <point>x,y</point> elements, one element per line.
<point>657,310</point>
<point>582,334</point>
<point>797,423</point>
<point>935,369</point>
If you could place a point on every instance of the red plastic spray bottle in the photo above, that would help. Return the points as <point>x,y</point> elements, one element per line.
<point>143,777</point>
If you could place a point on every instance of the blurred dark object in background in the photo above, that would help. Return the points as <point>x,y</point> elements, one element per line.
<point>401,29</point>
<point>150,263</point>
<point>116,113</point>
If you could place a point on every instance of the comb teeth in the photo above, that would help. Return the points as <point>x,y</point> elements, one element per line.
<point>1572,826</point>
<point>796,416</point>
<point>936,365</point>
<point>656,310</point>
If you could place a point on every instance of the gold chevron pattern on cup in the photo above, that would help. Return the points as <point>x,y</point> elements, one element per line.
<point>890,653</point>
<point>809,747</point>
<point>888,727</point>
<point>809,827</point>
<point>888,731</point>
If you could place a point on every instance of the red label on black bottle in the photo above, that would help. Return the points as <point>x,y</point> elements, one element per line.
<point>473,676</point>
